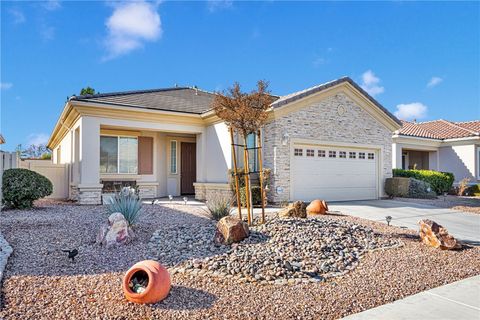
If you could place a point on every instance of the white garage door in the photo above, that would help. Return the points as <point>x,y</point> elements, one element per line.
<point>334,173</point>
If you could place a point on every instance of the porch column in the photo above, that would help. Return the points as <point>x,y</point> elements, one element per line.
<point>201,145</point>
<point>396,156</point>
<point>89,189</point>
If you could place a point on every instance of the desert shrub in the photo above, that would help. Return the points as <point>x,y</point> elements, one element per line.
<point>256,196</point>
<point>219,205</point>
<point>420,189</point>
<point>439,181</point>
<point>128,203</point>
<point>21,187</point>
<point>463,186</point>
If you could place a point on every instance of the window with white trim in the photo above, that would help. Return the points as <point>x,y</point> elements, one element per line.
<point>352,155</point>
<point>321,153</point>
<point>298,152</point>
<point>332,154</point>
<point>361,155</point>
<point>118,154</point>
<point>342,154</point>
<point>310,153</point>
<point>173,156</point>
<point>371,156</point>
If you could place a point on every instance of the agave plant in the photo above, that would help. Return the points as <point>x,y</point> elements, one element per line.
<point>128,203</point>
<point>219,205</point>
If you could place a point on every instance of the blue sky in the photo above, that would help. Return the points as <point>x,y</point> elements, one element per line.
<point>419,59</point>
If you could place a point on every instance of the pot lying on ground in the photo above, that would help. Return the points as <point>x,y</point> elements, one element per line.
<point>434,235</point>
<point>146,282</point>
<point>317,207</point>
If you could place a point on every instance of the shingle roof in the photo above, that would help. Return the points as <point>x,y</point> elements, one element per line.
<point>181,99</point>
<point>441,129</point>
<point>283,100</point>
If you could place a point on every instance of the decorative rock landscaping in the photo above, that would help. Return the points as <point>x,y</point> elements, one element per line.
<point>5,252</point>
<point>292,251</point>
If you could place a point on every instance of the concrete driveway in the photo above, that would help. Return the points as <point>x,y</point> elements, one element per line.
<point>462,225</point>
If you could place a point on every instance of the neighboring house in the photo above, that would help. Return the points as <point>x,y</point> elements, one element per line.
<point>331,141</point>
<point>8,160</point>
<point>439,145</point>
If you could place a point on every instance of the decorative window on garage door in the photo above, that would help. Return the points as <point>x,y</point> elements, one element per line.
<point>371,156</point>
<point>298,152</point>
<point>352,155</point>
<point>321,153</point>
<point>342,154</point>
<point>310,153</point>
<point>332,154</point>
<point>361,155</point>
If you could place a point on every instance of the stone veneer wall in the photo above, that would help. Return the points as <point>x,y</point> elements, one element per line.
<point>89,196</point>
<point>203,191</point>
<point>321,121</point>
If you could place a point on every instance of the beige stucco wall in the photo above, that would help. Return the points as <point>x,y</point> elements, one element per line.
<point>321,121</point>
<point>459,160</point>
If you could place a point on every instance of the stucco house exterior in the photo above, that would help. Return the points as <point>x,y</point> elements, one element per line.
<point>439,145</point>
<point>331,141</point>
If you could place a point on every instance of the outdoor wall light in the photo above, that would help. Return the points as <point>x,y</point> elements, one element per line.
<point>388,218</point>
<point>285,138</point>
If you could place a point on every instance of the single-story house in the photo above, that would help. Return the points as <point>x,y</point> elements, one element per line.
<point>331,141</point>
<point>439,145</point>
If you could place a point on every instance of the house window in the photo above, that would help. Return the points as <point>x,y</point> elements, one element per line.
<point>361,155</point>
<point>118,154</point>
<point>252,151</point>
<point>173,157</point>
<point>332,154</point>
<point>352,155</point>
<point>321,153</point>
<point>371,156</point>
<point>342,154</point>
<point>310,153</point>
<point>298,152</point>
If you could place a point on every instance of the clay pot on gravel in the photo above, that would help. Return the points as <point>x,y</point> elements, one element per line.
<point>317,207</point>
<point>146,282</point>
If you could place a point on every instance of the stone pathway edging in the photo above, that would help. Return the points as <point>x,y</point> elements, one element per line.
<point>5,252</point>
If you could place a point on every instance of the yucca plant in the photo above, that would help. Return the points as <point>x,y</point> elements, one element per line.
<point>128,203</point>
<point>219,205</point>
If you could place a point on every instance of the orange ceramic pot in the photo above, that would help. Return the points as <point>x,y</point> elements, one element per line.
<point>317,207</point>
<point>158,285</point>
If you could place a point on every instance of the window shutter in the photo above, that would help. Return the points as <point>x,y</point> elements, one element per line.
<point>145,155</point>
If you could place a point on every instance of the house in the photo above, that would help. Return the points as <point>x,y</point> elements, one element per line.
<point>439,145</point>
<point>331,141</point>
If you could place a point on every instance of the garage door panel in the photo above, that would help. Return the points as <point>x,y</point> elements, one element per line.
<point>334,179</point>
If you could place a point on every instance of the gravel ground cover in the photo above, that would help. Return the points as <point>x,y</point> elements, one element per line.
<point>40,282</point>
<point>459,203</point>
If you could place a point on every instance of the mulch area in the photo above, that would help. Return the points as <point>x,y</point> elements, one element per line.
<point>40,282</point>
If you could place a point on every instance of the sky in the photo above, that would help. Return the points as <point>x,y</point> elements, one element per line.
<point>421,60</point>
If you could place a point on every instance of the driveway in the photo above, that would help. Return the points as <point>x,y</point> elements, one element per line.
<point>462,225</point>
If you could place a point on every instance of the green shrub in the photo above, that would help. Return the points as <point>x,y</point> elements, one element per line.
<point>219,205</point>
<point>21,187</point>
<point>256,196</point>
<point>440,181</point>
<point>473,190</point>
<point>128,203</point>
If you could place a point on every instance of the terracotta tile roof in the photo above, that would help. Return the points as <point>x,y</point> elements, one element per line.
<point>440,129</point>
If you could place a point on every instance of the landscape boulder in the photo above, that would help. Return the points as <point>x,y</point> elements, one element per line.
<point>230,230</point>
<point>115,232</point>
<point>434,235</point>
<point>298,209</point>
<point>317,207</point>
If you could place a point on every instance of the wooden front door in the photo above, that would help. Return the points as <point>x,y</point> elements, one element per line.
<point>188,167</point>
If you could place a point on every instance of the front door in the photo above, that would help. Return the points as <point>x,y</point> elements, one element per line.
<point>188,167</point>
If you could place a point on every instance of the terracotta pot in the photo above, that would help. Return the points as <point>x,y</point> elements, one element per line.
<point>316,207</point>
<point>325,205</point>
<point>158,285</point>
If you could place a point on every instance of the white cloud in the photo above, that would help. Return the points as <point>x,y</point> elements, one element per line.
<point>37,138</point>
<point>18,16</point>
<point>47,32</point>
<point>52,5</point>
<point>318,61</point>
<point>411,111</point>
<point>434,81</point>
<point>5,85</point>
<point>130,25</point>
<point>216,5</point>
<point>370,83</point>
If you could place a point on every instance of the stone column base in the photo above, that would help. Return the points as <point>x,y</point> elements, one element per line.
<point>90,194</point>
<point>204,190</point>
<point>147,190</point>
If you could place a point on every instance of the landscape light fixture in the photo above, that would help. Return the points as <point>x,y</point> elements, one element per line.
<point>170,197</point>
<point>185,200</point>
<point>388,218</point>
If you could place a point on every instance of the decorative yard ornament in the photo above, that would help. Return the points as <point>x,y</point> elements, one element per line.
<point>245,113</point>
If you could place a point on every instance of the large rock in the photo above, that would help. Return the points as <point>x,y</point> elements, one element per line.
<point>230,230</point>
<point>434,235</point>
<point>317,207</point>
<point>298,209</point>
<point>115,232</point>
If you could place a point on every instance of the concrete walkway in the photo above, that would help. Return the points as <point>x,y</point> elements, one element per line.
<point>462,225</point>
<point>459,300</point>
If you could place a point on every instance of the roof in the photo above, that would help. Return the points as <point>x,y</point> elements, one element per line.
<point>2,139</point>
<point>178,99</point>
<point>283,100</point>
<point>441,129</point>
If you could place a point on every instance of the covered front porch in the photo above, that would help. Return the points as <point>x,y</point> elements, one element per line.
<point>423,155</point>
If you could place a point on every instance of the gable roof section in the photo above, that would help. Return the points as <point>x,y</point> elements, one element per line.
<point>181,99</point>
<point>283,100</point>
<point>441,129</point>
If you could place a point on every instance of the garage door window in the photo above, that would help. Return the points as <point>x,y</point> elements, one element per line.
<point>371,156</point>
<point>352,155</point>
<point>342,154</point>
<point>321,153</point>
<point>310,153</point>
<point>361,155</point>
<point>298,152</point>
<point>332,154</point>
